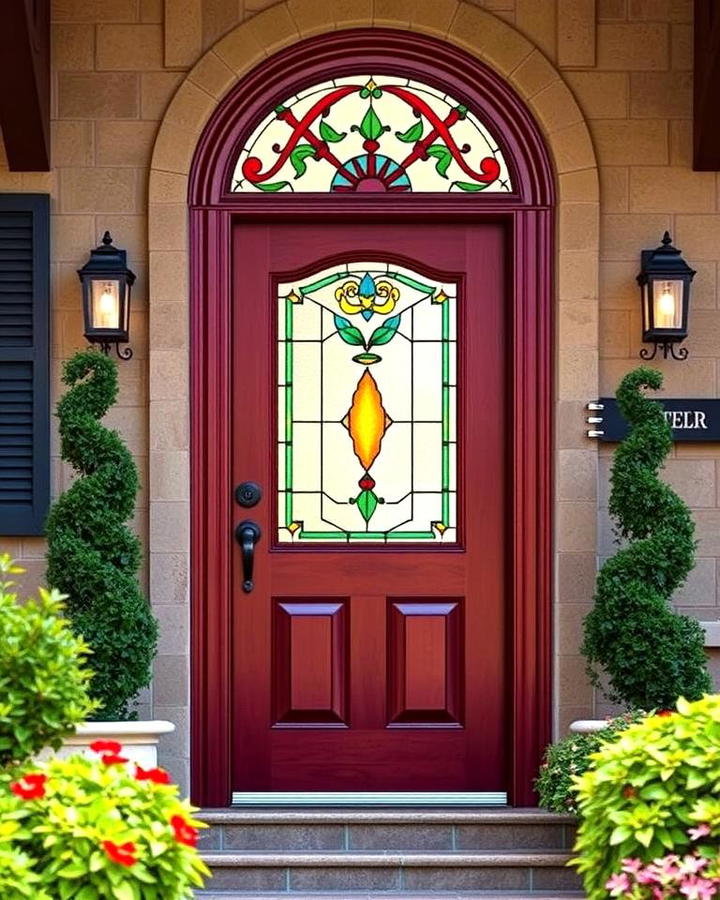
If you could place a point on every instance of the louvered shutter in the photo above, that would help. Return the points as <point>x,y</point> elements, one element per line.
<point>24,363</point>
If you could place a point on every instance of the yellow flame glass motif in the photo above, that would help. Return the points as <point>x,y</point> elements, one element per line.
<point>367,420</point>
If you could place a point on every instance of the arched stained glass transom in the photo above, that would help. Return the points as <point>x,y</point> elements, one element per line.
<point>378,133</point>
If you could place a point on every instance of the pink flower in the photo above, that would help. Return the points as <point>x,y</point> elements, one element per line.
<point>701,831</point>
<point>632,866</point>
<point>618,884</point>
<point>691,864</point>
<point>698,889</point>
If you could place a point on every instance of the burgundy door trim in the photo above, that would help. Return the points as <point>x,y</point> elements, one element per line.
<point>529,216</point>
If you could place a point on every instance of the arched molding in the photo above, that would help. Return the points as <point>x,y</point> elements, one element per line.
<point>566,175</point>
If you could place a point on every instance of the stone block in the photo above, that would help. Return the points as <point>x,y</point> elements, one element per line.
<point>536,19</point>
<point>579,226</point>
<point>707,531</point>
<point>661,95</point>
<point>704,332</point>
<point>156,90</point>
<point>576,526</point>
<point>577,275</point>
<point>573,149</point>
<point>576,576</point>
<point>273,28</point>
<point>681,49</point>
<point>571,617</point>
<point>699,236</point>
<point>169,424</point>
<point>392,13</point>
<point>694,378</point>
<point>168,227</point>
<point>168,374</point>
<point>169,579</point>
<point>435,17</point>
<point>95,190</point>
<point>577,324</point>
<point>576,474</point>
<point>626,142</point>
<point>240,50</point>
<point>122,48</point>
<point>573,685</point>
<point>533,74</point>
<point>97,95</point>
<point>615,189</point>
<point>72,143</point>
<point>212,75</point>
<point>570,425</point>
<point>218,17</point>
<point>169,533</point>
<point>632,47</point>
<point>183,33</point>
<point>649,10</point>
<point>73,47</point>
<point>94,11</point>
<point>555,107</point>
<point>576,33</point>
<point>167,187</point>
<point>500,878</point>
<point>623,236</point>
<point>297,837</point>
<point>125,143</point>
<point>489,37</point>
<point>72,238</point>
<point>190,108</point>
<point>615,334</point>
<point>611,10</point>
<point>601,95</point>
<point>152,11</point>
<point>580,187</point>
<point>681,143</point>
<point>169,276</point>
<point>169,474</point>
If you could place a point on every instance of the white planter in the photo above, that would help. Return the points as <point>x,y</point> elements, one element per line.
<point>139,740</point>
<point>588,726</point>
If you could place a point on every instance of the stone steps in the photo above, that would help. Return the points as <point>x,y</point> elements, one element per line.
<point>414,853</point>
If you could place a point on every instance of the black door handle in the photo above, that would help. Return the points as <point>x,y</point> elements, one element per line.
<point>247,534</point>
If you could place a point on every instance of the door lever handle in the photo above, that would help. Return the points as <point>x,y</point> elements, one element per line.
<point>247,534</point>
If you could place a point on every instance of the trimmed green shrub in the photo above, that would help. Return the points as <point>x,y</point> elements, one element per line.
<point>93,557</point>
<point>43,673</point>
<point>564,761</point>
<point>651,654</point>
<point>652,790</point>
<point>97,829</point>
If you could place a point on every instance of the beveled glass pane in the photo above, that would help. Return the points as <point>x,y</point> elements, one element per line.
<point>365,133</point>
<point>667,298</point>
<point>367,356</point>
<point>105,304</point>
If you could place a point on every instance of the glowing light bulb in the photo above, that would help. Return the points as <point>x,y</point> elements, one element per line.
<point>107,311</point>
<point>666,307</point>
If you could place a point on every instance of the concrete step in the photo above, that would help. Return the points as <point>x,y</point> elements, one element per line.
<point>344,872</point>
<point>366,829</point>
<point>435,895</point>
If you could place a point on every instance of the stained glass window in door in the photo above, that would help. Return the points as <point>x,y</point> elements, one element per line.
<point>378,133</point>
<point>367,406</point>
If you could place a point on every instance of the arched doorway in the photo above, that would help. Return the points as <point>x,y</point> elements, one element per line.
<point>382,648</point>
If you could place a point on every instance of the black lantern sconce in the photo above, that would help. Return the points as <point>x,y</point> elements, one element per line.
<point>664,280</point>
<point>106,283</point>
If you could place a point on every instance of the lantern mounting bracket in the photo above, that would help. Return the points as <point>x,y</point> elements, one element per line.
<point>669,349</point>
<point>106,346</point>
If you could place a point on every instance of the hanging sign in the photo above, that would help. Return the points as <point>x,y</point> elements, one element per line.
<point>690,420</point>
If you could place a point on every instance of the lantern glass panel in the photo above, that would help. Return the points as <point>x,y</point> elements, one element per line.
<point>105,304</point>
<point>667,303</point>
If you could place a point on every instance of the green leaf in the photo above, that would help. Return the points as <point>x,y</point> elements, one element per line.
<point>349,333</point>
<point>644,836</point>
<point>328,133</point>
<point>443,157</point>
<point>298,157</point>
<point>124,891</point>
<point>472,185</point>
<point>272,185</point>
<point>371,127</point>
<point>384,333</point>
<point>367,502</point>
<point>414,133</point>
<point>620,834</point>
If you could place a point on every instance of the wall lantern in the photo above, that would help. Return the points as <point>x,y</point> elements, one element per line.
<point>106,283</point>
<point>664,280</point>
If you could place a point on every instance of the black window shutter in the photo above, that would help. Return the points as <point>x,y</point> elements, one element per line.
<point>24,363</point>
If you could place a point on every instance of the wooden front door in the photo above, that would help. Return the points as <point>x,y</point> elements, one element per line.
<point>369,404</point>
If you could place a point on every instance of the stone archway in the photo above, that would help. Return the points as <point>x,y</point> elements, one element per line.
<point>538,83</point>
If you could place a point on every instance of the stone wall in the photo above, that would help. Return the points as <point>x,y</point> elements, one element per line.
<point>628,64</point>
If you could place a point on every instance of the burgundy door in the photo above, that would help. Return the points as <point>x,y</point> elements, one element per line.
<point>369,403</point>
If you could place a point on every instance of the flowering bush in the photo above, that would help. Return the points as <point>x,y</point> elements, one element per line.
<point>652,791</point>
<point>555,785</point>
<point>43,675</point>
<point>95,829</point>
<point>691,877</point>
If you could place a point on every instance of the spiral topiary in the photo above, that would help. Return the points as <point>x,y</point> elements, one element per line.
<point>651,654</point>
<point>93,557</point>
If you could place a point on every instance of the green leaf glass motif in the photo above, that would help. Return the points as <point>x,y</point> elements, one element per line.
<point>298,156</point>
<point>414,133</point>
<point>349,333</point>
<point>471,185</point>
<point>385,333</point>
<point>367,502</point>
<point>371,128</point>
<point>443,157</point>
<point>328,133</point>
<point>274,185</point>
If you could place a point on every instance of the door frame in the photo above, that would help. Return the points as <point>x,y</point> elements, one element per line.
<point>528,216</point>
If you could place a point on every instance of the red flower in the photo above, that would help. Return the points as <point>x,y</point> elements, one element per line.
<point>106,746</point>
<point>112,759</point>
<point>184,832</point>
<point>157,776</point>
<point>629,791</point>
<point>30,787</point>
<point>664,712</point>
<point>123,854</point>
